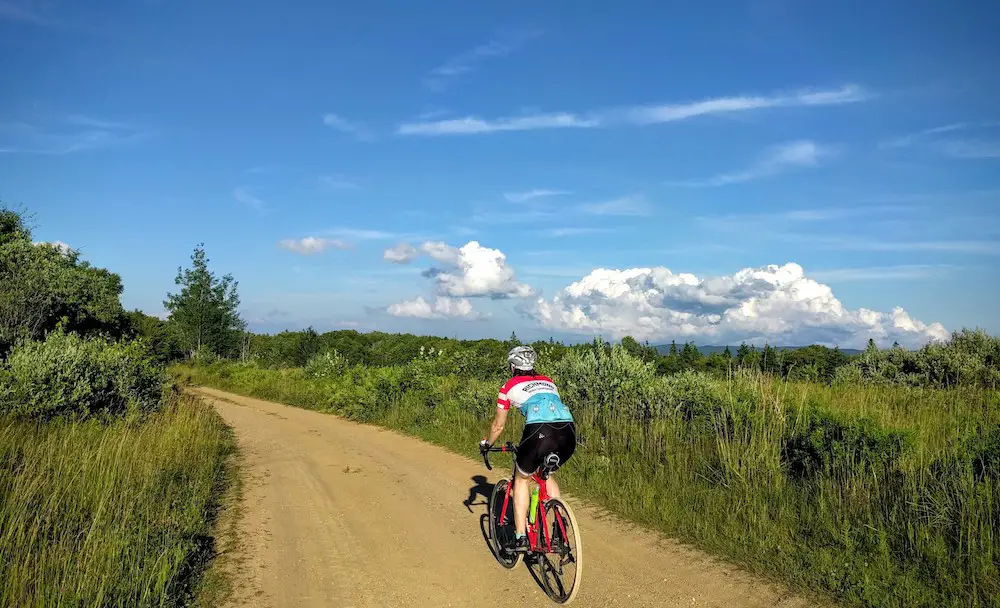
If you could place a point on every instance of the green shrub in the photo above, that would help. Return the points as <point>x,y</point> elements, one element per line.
<point>831,443</point>
<point>970,358</point>
<point>326,365</point>
<point>70,375</point>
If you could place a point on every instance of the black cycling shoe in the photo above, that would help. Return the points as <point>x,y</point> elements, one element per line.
<point>518,545</point>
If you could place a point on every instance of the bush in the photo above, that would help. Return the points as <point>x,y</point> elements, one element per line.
<point>970,358</point>
<point>327,365</point>
<point>831,443</point>
<point>70,375</point>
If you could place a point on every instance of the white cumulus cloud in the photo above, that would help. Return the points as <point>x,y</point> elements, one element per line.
<point>442,308</point>
<point>777,304</point>
<point>468,271</point>
<point>311,245</point>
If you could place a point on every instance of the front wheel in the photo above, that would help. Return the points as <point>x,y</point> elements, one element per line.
<point>502,536</point>
<point>562,568</point>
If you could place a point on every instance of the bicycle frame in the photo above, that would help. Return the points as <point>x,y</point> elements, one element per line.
<point>535,533</point>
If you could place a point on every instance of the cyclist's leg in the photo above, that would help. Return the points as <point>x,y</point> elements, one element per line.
<point>522,500</point>
<point>527,462</point>
<point>552,486</point>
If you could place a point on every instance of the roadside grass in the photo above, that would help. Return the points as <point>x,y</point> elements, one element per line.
<point>875,496</point>
<point>110,512</point>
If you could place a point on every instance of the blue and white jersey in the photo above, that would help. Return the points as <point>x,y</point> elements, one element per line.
<point>537,397</point>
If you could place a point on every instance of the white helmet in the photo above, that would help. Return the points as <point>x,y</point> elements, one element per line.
<point>522,358</point>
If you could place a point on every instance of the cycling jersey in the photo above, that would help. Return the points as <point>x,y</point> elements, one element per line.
<point>536,397</point>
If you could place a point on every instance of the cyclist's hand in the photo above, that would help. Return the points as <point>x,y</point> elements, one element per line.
<point>484,446</point>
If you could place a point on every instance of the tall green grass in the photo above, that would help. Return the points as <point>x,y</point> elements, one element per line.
<point>97,513</point>
<point>877,496</point>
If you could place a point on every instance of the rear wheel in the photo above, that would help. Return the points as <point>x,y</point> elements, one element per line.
<point>561,569</point>
<point>502,535</point>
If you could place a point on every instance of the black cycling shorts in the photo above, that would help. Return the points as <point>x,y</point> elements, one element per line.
<point>544,438</point>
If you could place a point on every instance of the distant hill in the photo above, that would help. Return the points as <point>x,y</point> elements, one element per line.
<point>709,349</point>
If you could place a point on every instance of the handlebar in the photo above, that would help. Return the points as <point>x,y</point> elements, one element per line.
<point>507,447</point>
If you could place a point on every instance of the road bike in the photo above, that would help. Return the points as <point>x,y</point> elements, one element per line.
<point>553,534</point>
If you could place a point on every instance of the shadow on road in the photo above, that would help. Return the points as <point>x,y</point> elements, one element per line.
<point>482,488</point>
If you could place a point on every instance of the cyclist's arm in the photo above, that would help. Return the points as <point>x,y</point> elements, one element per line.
<point>499,421</point>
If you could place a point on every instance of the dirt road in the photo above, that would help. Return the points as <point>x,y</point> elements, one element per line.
<point>344,515</point>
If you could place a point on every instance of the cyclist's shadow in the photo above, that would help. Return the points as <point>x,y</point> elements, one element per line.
<point>482,488</point>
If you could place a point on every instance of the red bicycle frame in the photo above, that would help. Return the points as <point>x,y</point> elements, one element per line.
<point>534,532</point>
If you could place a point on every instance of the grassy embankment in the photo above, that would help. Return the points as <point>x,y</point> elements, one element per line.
<point>877,496</point>
<point>109,514</point>
<point>109,480</point>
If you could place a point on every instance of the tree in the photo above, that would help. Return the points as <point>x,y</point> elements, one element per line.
<point>728,354</point>
<point>43,285</point>
<point>742,353</point>
<point>690,357</point>
<point>205,310</point>
<point>646,353</point>
<point>13,227</point>
<point>160,337</point>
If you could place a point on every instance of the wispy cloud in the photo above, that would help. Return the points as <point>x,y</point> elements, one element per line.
<point>625,205</point>
<point>640,115</point>
<point>530,214</point>
<point>771,219</point>
<point>883,273</point>
<point>523,197</point>
<point>465,63</point>
<point>936,138</point>
<point>914,138</point>
<point>850,93</point>
<point>356,130</point>
<point>311,245</point>
<point>775,160</point>
<point>470,125</point>
<point>243,195</point>
<point>973,149</point>
<point>67,135</point>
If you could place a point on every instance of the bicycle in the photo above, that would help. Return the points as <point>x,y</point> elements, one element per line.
<point>561,539</point>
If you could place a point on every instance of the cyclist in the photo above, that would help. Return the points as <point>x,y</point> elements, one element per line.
<point>548,429</point>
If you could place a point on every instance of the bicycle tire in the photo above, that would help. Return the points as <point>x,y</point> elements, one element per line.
<point>498,535</point>
<point>557,588</point>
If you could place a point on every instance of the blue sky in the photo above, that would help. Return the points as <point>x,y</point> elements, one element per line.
<point>802,170</point>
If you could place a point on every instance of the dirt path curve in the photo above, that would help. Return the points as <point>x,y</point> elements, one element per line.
<point>344,515</point>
